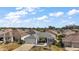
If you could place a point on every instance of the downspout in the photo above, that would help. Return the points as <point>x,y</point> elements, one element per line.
<point>36,39</point>
<point>11,37</point>
<point>4,40</point>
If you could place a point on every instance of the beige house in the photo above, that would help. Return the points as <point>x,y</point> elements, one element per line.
<point>71,41</point>
<point>10,35</point>
<point>68,32</point>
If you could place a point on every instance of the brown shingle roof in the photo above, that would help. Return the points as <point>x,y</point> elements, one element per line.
<point>68,32</point>
<point>21,32</point>
<point>53,32</point>
<point>14,32</point>
<point>72,38</point>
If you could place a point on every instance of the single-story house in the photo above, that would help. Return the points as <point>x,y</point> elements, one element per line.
<point>71,41</point>
<point>68,32</point>
<point>11,35</point>
<point>29,39</point>
<point>35,38</point>
<point>15,35</point>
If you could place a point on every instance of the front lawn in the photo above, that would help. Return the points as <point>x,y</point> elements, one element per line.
<point>9,47</point>
<point>47,48</point>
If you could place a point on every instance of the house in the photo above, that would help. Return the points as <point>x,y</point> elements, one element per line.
<point>32,37</point>
<point>29,39</point>
<point>68,32</point>
<point>11,35</point>
<point>71,41</point>
<point>35,38</point>
<point>49,39</point>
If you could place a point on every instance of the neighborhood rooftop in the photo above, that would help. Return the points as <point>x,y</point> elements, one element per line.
<point>72,38</point>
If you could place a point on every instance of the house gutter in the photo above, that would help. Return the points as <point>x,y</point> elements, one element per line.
<point>22,38</point>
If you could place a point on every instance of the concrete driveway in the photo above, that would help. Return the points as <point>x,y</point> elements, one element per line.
<point>24,47</point>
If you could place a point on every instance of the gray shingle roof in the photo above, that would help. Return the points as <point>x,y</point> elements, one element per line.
<point>31,37</point>
<point>44,34</point>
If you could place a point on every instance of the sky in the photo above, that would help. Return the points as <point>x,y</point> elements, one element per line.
<point>38,16</point>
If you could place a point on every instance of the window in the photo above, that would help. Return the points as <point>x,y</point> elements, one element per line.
<point>1,38</point>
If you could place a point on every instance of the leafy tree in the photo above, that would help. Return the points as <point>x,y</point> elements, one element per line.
<point>50,27</point>
<point>59,38</point>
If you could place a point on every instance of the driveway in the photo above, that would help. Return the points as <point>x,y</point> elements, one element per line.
<point>24,47</point>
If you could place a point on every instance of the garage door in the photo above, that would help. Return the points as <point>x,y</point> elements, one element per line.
<point>75,45</point>
<point>30,41</point>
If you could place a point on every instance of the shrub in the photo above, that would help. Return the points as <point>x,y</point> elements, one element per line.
<point>42,40</point>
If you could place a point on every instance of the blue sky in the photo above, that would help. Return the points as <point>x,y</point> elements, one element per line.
<point>38,16</point>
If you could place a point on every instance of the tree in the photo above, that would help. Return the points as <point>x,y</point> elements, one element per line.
<point>50,27</point>
<point>31,31</point>
<point>59,38</point>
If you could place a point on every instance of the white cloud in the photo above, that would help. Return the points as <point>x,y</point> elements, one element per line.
<point>41,10</point>
<point>57,14</point>
<point>16,17</point>
<point>20,11</point>
<point>51,14</point>
<point>69,17</point>
<point>27,20</point>
<point>33,13</point>
<point>11,15</point>
<point>27,9</point>
<point>73,11</point>
<point>42,18</point>
<point>16,14</point>
<point>19,8</point>
<point>30,9</point>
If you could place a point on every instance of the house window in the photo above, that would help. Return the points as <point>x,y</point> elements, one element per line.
<point>1,38</point>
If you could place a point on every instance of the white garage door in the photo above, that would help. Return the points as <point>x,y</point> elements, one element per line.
<point>30,41</point>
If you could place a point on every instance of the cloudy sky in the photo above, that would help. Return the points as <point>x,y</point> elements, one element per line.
<point>38,16</point>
